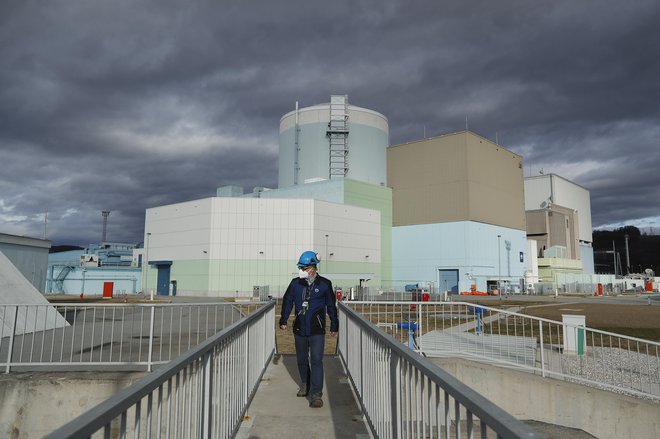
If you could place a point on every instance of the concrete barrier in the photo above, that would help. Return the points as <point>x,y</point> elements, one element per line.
<point>526,396</point>
<point>35,404</point>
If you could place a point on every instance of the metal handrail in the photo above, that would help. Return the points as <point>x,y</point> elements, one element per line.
<point>562,350</point>
<point>415,398</point>
<point>211,387</point>
<point>86,336</point>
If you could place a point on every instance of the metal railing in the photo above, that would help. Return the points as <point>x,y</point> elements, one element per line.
<point>203,393</point>
<point>552,349</point>
<point>124,336</point>
<point>404,395</point>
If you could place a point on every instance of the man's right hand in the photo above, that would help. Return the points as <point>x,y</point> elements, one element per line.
<point>283,327</point>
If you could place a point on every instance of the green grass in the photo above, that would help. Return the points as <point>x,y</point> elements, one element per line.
<point>652,334</point>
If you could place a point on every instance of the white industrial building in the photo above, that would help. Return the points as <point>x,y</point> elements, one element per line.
<point>558,213</point>
<point>23,263</point>
<point>29,256</point>
<point>89,271</point>
<point>230,246</point>
<point>332,198</point>
<point>447,212</point>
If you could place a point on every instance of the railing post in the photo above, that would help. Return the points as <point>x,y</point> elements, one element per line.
<point>246,375</point>
<point>395,386</point>
<point>207,395</point>
<point>361,365</point>
<point>151,339</point>
<point>419,327</point>
<point>11,340</point>
<point>542,356</point>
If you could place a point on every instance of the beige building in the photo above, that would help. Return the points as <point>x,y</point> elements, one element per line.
<point>458,213</point>
<point>554,226</point>
<point>456,177</point>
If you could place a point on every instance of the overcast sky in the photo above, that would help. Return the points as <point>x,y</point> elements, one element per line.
<point>124,105</point>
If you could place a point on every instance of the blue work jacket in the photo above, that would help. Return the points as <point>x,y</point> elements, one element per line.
<point>320,299</point>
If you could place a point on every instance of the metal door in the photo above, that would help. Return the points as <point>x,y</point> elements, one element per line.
<point>448,281</point>
<point>163,285</point>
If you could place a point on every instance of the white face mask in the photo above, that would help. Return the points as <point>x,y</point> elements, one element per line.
<point>302,274</point>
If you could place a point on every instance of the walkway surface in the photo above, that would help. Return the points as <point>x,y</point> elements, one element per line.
<point>276,412</point>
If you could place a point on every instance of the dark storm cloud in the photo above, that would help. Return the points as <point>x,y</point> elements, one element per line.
<point>126,105</point>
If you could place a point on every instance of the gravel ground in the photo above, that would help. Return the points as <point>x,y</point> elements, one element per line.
<point>617,367</point>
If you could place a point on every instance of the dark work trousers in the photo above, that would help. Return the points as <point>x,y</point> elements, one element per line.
<point>309,352</point>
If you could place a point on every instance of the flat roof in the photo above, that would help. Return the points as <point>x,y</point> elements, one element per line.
<point>6,238</point>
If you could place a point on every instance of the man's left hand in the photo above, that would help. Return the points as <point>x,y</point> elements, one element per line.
<point>333,334</point>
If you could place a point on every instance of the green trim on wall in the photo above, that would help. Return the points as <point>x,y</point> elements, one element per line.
<point>357,193</point>
<point>229,278</point>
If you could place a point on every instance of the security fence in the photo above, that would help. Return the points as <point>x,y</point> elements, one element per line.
<point>204,393</point>
<point>404,395</point>
<point>552,349</point>
<point>123,336</point>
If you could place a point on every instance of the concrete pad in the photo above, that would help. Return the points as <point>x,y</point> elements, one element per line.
<point>276,411</point>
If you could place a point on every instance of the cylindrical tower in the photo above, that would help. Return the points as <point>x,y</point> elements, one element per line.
<point>333,140</point>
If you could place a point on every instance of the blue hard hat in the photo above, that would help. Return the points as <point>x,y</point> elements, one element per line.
<point>308,258</point>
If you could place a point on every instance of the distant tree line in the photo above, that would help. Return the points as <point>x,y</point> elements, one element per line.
<point>64,248</point>
<point>643,250</point>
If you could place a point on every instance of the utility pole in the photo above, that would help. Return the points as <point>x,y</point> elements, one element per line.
<point>627,255</point>
<point>105,214</point>
<point>499,269</point>
<point>145,266</point>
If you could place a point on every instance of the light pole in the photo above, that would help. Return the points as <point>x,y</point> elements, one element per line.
<point>326,252</point>
<point>84,271</point>
<point>499,268</point>
<point>145,265</point>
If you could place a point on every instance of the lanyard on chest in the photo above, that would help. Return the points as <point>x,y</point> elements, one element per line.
<point>306,294</point>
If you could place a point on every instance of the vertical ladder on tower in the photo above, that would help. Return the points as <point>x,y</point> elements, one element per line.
<point>338,136</point>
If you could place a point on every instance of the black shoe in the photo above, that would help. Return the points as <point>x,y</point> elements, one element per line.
<point>316,402</point>
<point>302,392</point>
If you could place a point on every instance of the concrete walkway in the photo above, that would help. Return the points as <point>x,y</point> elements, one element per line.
<point>276,412</point>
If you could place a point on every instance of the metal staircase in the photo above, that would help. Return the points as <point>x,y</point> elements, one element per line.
<point>59,280</point>
<point>338,136</point>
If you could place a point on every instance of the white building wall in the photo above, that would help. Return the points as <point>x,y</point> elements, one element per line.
<point>182,230</point>
<point>544,188</point>
<point>29,256</point>
<point>353,234</point>
<point>532,272</point>
<point>576,197</point>
<point>587,258</point>
<point>245,228</point>
<point>226,246</point>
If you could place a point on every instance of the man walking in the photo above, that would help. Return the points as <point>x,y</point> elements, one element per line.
<point>312,297</point>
